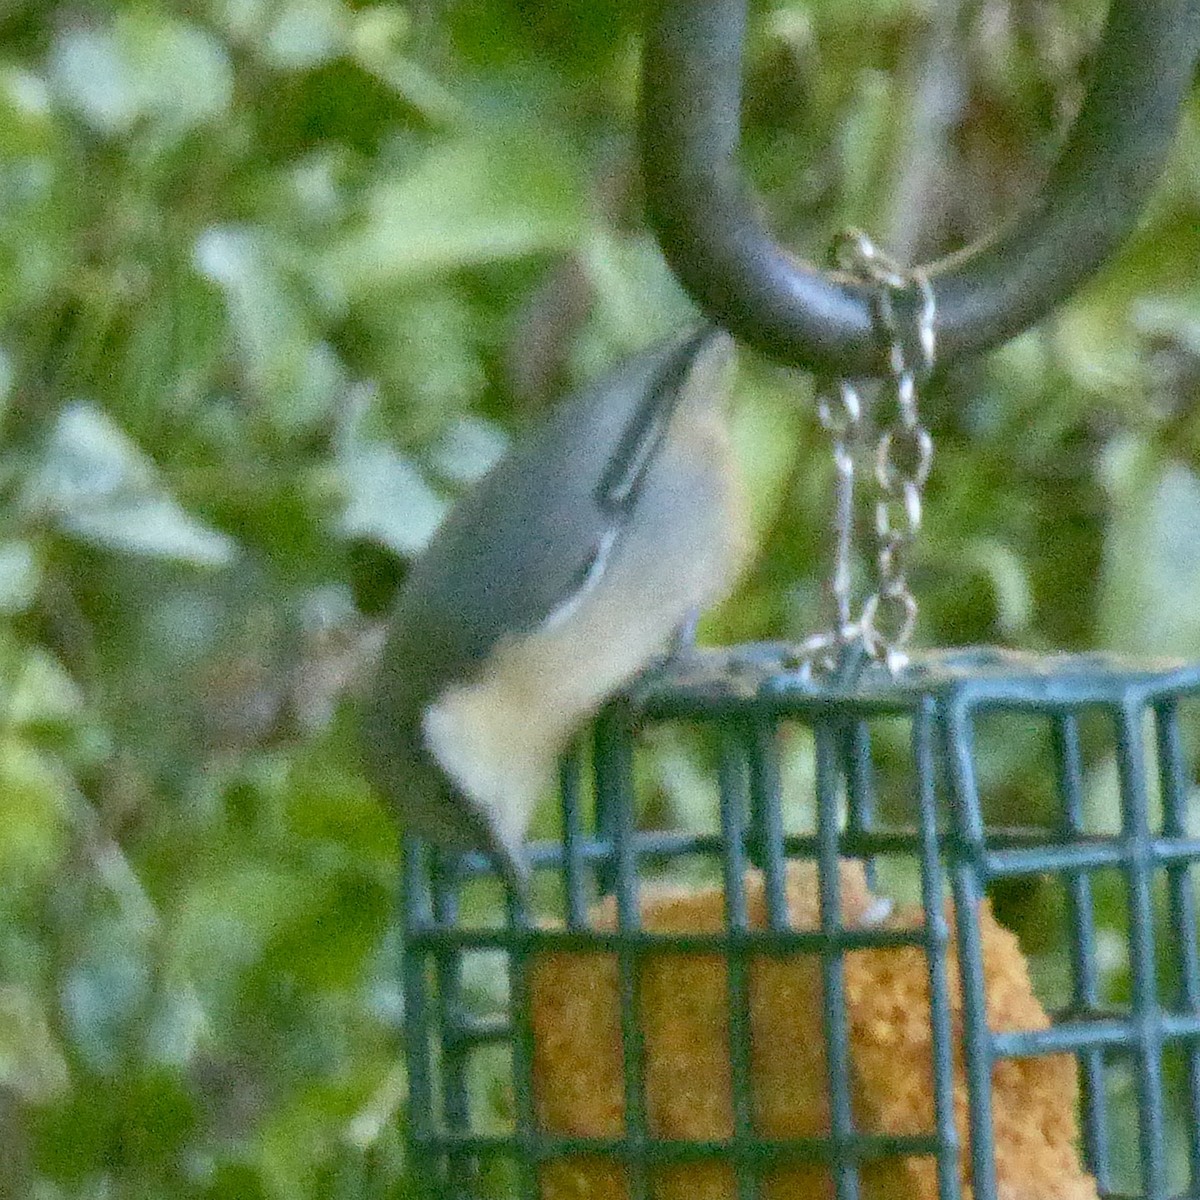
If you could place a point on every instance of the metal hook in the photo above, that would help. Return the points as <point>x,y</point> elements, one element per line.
<point>707,219</point>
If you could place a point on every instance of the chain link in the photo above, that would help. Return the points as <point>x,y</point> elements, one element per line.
<point>841,417</point>
<point>903,455</point>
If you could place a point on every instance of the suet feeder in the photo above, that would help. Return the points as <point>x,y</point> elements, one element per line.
<point>778,1032</point>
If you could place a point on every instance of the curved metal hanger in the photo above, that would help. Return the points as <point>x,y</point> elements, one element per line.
<point>707,222</point>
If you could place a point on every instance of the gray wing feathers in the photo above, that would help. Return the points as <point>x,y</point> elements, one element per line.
<point>528,537</point>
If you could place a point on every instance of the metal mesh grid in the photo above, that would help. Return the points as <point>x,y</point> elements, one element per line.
<point>744,698</point>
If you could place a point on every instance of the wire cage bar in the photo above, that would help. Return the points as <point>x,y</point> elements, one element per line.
<point>1135,1041</point>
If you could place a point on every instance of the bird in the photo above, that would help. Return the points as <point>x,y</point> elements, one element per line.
<point>567,571</point>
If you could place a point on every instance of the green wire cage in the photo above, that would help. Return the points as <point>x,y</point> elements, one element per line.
<point>898,776</point>
<point>947,705</point>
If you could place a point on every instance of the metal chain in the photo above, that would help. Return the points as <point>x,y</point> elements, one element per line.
<point>841,417</point>
<point>903,454</point>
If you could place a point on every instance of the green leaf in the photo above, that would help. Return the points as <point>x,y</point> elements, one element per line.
<point>73,1141</point>
<point>104,992</point>
<point>96,485</point>
<point>224,921</point>
<point>1009,582</point>
<point>43,693</point>
<point>766,423</point>
<point>378,33</point>
<point>1151,574</point>
<point>308,1129</point>
<point>327,943</point>
<point>158,1115</point>
<point>40,202</point>
<point>419,88</point>
<point>335,810</point>
<point>7,379</point>
<point>305,33</point>
<point>32,813</point>
<point>636,299</point>
<point>388,500</point>
<point>20,576</point>
<point>143,67</point>
<point>297,374</point>
<point>482,199</point>
<point>29,127</point>
<point>236,1181</point>
<point>427,359</point>
<point>32,1063</point>
<point>468,449</point>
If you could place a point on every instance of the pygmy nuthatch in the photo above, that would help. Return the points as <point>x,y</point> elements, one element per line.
<point>562,575</point>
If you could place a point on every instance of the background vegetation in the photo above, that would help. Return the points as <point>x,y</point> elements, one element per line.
<point>278,278</point>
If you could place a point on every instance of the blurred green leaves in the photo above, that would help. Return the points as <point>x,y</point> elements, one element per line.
<point>497,195</point>
<point>94,484</point>
<point>1152,568</point>
<point>295,375</point>
<point>388,500</point>
<point>31,1061</point>
<point>142,68</point>
<point>278,280</point>
<point>32,814</point>
<point>19,576</point>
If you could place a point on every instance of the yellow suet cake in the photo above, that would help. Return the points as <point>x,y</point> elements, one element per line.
<point>579,1075</point>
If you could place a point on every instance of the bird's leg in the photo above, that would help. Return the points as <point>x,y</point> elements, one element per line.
<point>677,654</point>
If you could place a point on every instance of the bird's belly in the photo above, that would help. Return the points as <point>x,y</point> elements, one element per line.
<point>499,737</point>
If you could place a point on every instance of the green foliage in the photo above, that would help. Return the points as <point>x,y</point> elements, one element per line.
<point>278,279</point>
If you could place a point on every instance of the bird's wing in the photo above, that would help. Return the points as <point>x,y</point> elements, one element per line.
<point>535,535</point>
<point>642,437</point>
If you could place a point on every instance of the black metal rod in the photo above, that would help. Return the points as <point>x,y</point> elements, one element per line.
<point>518,945</point>
<point>937,933</point>
<point>771,942</point>
<point>957,736</point>
<point>456,1104</point>
<point>1085,963</point>
<point>417,909</point>
<point>734,806</point>
<point>838,1064</point>
<point>766,817</point>
<point>1185,947</point>
<point>707,219</point>
<point>1135,821</point>
<point>613,767</point>
<point>676,1151</point>
<point>570,781</point>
